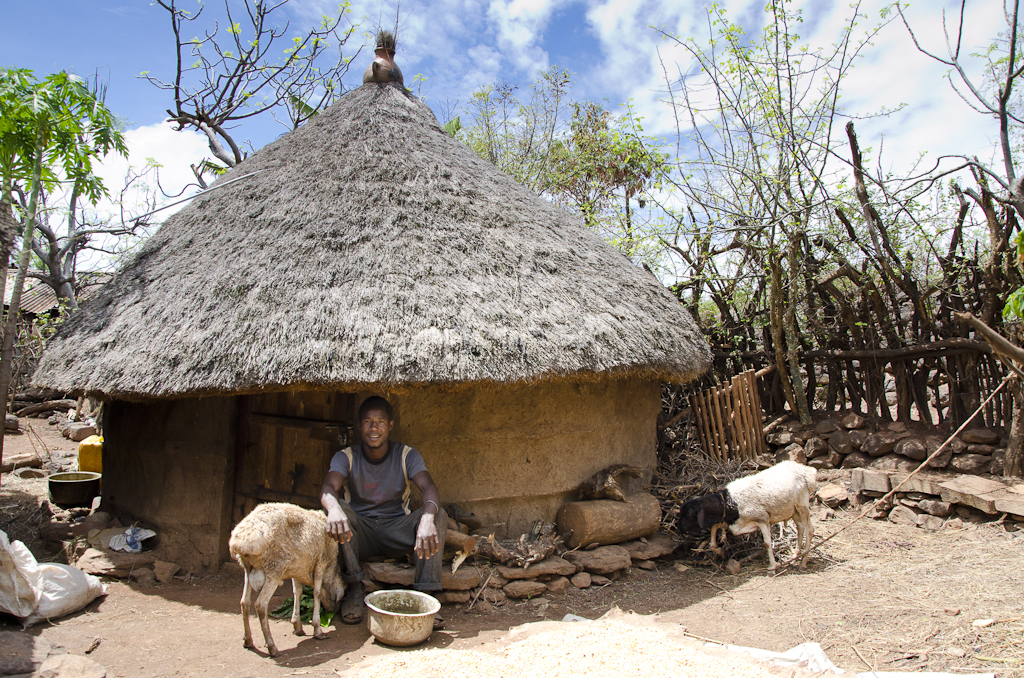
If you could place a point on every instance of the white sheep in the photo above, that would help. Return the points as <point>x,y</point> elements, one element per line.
<point>777,494</point>
<point>282,541</point>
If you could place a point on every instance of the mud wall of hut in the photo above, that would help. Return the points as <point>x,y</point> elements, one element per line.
<point>515,454</point>
<point>169,464</point>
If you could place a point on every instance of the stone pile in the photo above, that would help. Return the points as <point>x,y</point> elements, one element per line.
<point>849,443</point>
<point>490,584</point>
<point>934,499</point>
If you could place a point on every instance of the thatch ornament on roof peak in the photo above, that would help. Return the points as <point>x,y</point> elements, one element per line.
<point>383,68</point>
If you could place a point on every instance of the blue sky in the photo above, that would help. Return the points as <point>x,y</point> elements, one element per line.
<point>460,45</point>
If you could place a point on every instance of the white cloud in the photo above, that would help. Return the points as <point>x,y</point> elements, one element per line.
<point>519,26</point>
<point>173,152</point>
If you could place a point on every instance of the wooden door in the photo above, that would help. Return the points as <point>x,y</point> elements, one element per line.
<point>285,444</point>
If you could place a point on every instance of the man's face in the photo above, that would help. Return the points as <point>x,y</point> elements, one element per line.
<point>375,428</point>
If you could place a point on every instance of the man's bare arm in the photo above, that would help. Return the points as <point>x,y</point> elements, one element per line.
<point>330,499</point>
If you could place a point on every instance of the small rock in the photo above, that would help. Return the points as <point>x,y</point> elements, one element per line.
<point>780,438</point>
<point>958,446</point>
<point>832,460</point>
<point>537,602</point>
<point>954,524</point>
<point>524,588</point>
<point>453,597</point>
<point>971,464</point>
<point>11,423</point>
<point>815,447</point>
<point>998,462</point>
<point>832,494</point>
<point>655,546</point>
<point>581,580</point>
<point>112,563</point>
<point>912,448</point>
<point>978,448</point>
<point>645,564</point>
<point>497,581</point>
<point>598,580</point>
<point>929,522</point>
<point>936,507</point>
<point>733,566</point>
<point>893,462</point>
<point>983,623</point>
<point>826,514</point>
<point>980,436</point>
<point>857,438</point>
<point>79,431</point>
<point>466,578</point>
<point>558,585</point>
<point>603,560</point>
<point>679,567</point>
<point>70,666</point>
<point>493,596</point>
<point>879,444</point>
<point>932,443</point>
<point>897,427</point>
<point>549,566</point>
<point>856,460</point>
<point>840,442</point>
<point>903,515</point>
<point>826,426</point>
<point>165,571</point>
<point>391,573</point>
<point>483,607</point>
<point>853,421</point>
<point>792,452</point>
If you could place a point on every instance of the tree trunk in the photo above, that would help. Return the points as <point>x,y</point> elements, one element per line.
<point>11,326</point>
<point>1014,464</point>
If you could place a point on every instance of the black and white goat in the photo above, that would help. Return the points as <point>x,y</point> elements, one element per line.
<point>775,495</point>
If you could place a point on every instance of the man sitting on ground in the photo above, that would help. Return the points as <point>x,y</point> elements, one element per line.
<point>373,516</point>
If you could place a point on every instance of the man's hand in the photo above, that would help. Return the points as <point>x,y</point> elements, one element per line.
<point>426,536</point>
<point>338,527</point>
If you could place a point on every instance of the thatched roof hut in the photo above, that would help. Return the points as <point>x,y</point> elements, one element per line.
<point>369,251</point>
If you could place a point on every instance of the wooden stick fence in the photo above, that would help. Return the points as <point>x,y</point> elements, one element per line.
<point>729,418</point>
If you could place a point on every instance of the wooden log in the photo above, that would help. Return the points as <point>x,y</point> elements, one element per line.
<point>48,406</point>
<point>459,541</point>
<point>603,521</point>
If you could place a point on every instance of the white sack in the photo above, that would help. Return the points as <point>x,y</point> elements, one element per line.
<point>21,581</point>
<point>37,592</point>
<point>66,589</point>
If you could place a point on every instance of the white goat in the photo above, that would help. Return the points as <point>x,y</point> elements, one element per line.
<point>282,541</point>
<point>775,495</point>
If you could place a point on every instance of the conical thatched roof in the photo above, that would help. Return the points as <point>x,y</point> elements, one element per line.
<point>372,248</point>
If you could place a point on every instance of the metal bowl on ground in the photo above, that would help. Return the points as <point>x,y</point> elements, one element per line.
<point>74,488</point>
<point>400,617</point>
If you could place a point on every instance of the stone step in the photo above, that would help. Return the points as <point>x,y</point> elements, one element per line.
<point>988,495</point>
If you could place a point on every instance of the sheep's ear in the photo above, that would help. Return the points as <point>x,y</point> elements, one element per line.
<point>700,518</point>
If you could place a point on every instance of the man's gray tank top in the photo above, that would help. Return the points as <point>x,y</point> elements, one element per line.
<point>378,489</point>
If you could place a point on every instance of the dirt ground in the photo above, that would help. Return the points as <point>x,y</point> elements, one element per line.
<point>879,596</point>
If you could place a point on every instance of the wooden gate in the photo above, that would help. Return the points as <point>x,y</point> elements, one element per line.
<point>729,419</point>
<point>285,444</point>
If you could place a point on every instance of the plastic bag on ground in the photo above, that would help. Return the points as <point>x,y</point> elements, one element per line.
<point>131,540</point>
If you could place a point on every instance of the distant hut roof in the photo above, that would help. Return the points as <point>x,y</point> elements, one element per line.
<point>372,248</point>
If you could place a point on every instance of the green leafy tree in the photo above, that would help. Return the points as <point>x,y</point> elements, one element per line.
<point>515,134</point>
<point>602,168</point>
<point>52,128</point>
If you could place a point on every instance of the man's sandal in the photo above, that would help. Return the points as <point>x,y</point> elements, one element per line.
<point>352,604</point>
